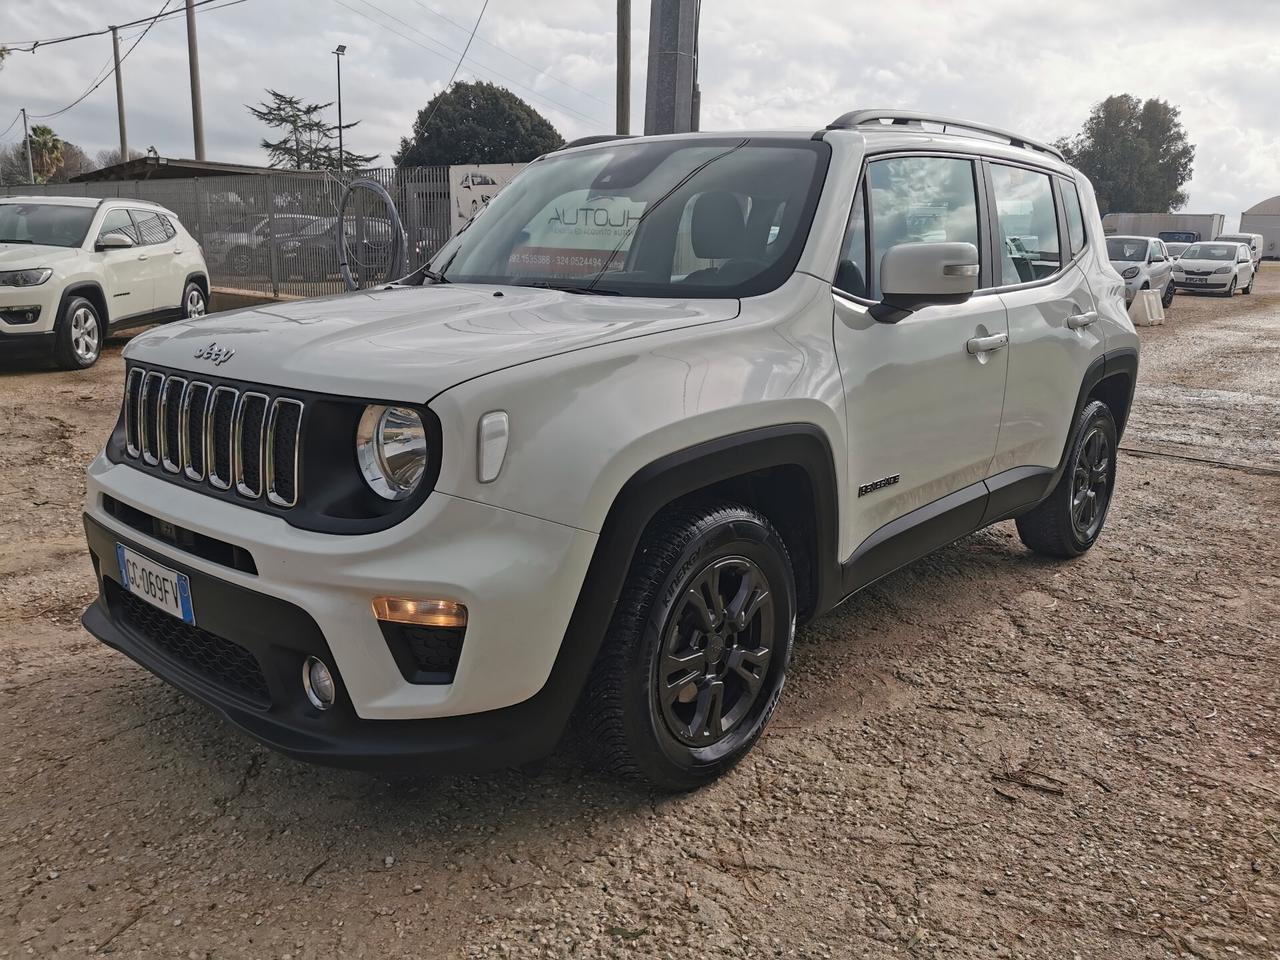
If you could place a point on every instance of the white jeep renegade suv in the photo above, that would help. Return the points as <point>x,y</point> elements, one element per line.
<point>74,269</point>
<point>662,400</point>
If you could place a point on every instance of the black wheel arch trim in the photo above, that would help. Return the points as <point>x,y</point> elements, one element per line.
<point>77,289</point>
<point>202,280</point>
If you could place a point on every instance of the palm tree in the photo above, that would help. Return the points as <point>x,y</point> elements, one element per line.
<point>46,152</point>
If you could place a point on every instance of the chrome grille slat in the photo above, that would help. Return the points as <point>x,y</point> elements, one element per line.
<point>284,433</point>
<point>247,443</point>
<point>149,417</point>
<point>244,441</point>
<point>170,424</point>
<point>194,447</point>
<point>218,436</point>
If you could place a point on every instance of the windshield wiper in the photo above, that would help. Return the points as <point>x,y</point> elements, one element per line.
<point>572,288</point>
<point>14,240</point>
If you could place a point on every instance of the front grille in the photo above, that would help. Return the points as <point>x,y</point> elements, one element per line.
<point>231,439</point>
<point>216,658</point>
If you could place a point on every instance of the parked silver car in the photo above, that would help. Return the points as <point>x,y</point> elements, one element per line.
<point>1145,264</point>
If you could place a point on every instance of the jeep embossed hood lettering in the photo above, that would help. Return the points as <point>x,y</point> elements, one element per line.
<point>409,343</point>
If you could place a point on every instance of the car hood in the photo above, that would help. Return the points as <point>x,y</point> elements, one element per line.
<point>410,343</point>
<point>21,256</point>
<point>1186,264</point>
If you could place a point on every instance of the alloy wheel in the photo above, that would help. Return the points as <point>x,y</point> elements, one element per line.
<point>715,652</point>
<point>86,337</point>
<point>195,303</point>
<point>1091,485</point>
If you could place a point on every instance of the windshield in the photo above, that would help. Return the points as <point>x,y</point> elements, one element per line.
<point>694,218</point>
<point>1126,248</point>
<point>1211,251</point>
<point>52,224</point>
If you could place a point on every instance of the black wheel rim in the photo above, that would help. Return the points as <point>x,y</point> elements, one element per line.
<point>1091,487</point>
<point>715,652</point>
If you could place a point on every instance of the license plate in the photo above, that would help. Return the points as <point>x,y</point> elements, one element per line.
<point>161,587</point>
<point>1197,280</point>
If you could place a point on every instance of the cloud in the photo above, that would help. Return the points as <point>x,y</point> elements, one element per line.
<point>1028,67</point>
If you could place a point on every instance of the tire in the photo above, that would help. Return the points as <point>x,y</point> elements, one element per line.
<point>78,335</point>
<point>1252,280</point>
<point>1230,291</point>
<point>194,302</point>
<point>669,701</point>
<point>1056,527</point>
<point>1166,301</point>
<point>240,261</point>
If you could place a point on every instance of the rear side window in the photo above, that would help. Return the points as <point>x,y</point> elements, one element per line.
<point>1028,224</point>
<point>152,227</point>
<point>1075,218</point>
<point>919,200</point>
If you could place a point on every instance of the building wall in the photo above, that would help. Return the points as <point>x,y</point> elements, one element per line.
<point>1269,226</point>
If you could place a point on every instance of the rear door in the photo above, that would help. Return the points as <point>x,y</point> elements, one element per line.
<point>1053,325</point>
<point>159,264</point>
<point>130,290</point>
<point>923,411</point>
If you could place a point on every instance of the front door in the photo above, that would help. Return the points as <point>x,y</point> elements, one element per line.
<point>130,288</point>
<point>158,247</point>
<point>923,396</point>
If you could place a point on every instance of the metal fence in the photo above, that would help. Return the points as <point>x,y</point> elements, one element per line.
<point>274,234</point>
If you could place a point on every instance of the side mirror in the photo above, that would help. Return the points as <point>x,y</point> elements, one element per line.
<point>915,275</point>
<point>113,241</point>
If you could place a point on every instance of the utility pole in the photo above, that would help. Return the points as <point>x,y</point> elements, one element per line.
<point>337,56</point>
<point>26,135</point>
<point>670,104</point>
<point>624,67</point>
<point>124,138</point>
<point>193,61</point>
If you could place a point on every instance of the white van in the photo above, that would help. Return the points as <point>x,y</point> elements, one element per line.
<point>1254,241</point>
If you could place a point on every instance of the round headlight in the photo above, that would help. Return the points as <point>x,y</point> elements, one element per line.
<point>391,447</point>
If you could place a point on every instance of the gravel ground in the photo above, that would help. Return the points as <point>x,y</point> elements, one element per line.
<point>986,755</point>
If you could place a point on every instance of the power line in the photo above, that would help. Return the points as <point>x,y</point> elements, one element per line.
<point>542,71</point>
<point>30,46</point>
<point>104,76</point>
<point>474,67</point>
<point>16,117</point>
<point>453,76</point>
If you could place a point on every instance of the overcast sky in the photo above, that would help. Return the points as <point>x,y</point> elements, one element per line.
<point>764,63</point>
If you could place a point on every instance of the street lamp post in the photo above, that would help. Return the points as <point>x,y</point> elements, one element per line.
<point>337,56</point>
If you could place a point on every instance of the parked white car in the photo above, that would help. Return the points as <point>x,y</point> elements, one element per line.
<point>1217,267</point>
<point>75,269</point>
<point>666,398</point>
<point>1256,243</point>
<point>1145,264</point>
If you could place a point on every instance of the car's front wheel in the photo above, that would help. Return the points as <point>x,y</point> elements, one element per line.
<point>194,302</point>
<point>695,657</point>
<point>1230,291</point>
<point>1252,280</point>
<point>1069,521</point>
<point>78,335</point>
<point>1167,300</point>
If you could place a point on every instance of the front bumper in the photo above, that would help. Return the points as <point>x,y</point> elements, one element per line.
<point>310,596</point>
<point>1212,282</point>
<point>45,297</point>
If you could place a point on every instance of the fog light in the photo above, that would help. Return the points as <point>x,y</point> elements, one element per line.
<point>422,613</point>
<point>317,680</point>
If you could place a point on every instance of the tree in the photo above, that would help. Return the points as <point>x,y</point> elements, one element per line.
<point>13,164</point>
<point>1136,153</point>
<point>46,152</point>
<point>476,123</point>
<point>109,158</point>
<point>310,143</point>
<point>74,162</point>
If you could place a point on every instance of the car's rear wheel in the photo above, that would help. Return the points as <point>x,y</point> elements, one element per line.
<point>1167,300</point>
<point>78,335</point>
<point>695,658</point>
<point>1070,520</point>
<point>194,303</point>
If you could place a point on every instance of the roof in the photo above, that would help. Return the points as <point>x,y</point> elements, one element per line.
<point>169,168</point>
<point>1267,208</point>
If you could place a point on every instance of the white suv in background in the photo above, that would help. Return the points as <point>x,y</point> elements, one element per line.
<point>668,397</point>
<point>74,269</point>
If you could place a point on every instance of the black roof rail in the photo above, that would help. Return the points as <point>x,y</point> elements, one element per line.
<point>596,138</point>
<point>901,118</point>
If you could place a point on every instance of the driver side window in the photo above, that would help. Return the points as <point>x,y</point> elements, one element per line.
<point>118,222</point>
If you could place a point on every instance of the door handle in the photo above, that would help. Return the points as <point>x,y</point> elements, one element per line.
<point>997,341</point>
<point>177,249</point>
<point>142,256</point>
<point>1079,321</point>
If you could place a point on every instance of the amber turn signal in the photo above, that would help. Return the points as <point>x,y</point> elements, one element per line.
<point>421,613</point>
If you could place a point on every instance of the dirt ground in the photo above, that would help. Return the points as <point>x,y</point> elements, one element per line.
<point>985,755</point>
